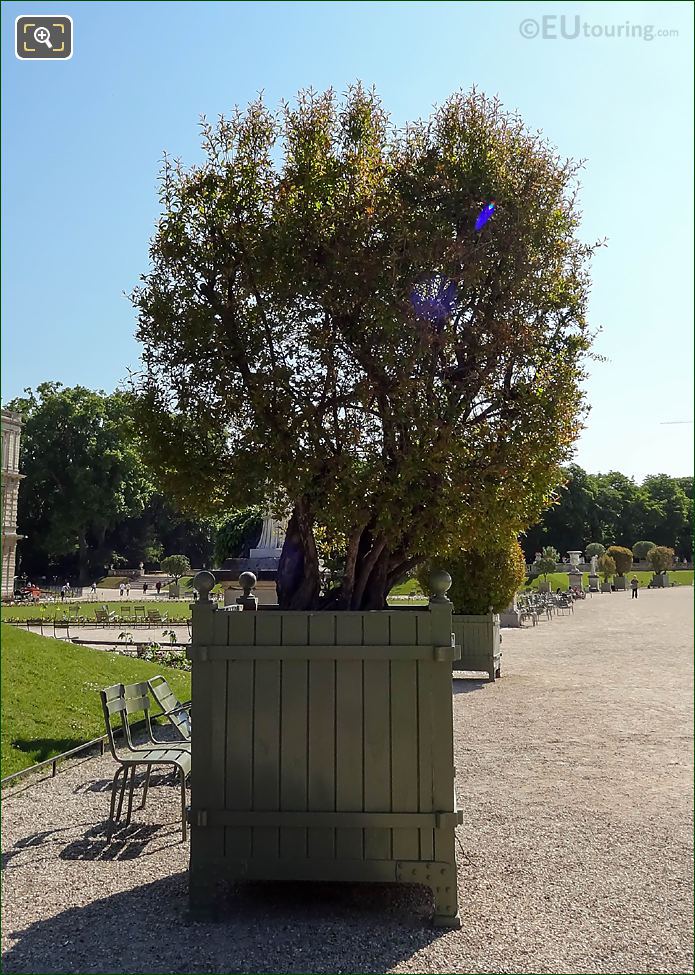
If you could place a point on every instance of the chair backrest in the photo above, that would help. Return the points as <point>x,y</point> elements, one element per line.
<point>101,615</point>
<point>170,705</point>
<point>112,703</point>
<point>74,610</point>
<point>154,616</point>
<point>138,610</point>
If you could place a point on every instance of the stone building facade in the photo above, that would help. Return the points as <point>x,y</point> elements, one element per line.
<point>11,434</point>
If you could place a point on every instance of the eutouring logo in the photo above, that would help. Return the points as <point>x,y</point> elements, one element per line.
<point>554,27</point>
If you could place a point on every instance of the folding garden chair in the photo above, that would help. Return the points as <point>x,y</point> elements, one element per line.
<point>176,712</point>
<point>114,703</point>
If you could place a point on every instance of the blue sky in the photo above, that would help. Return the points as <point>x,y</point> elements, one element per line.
<point>83,140</point>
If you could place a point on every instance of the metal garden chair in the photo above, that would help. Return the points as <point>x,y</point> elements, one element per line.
<point>177,713</point>
<point>117,701</point>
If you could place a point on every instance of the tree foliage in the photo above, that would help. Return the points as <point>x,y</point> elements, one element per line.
<point>176,566</point>
<point>606,566</point>
<point>613,510</point>
<point>640,549</point>
<point>237,532</point>
<point>660,558</point>
<point>622,557</point>
<point>285,352</point>
<point>547,562</point>
<point>84,474</point>
<point>594,549</point>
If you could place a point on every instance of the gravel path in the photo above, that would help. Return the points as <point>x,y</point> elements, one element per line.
<point>575,775</point>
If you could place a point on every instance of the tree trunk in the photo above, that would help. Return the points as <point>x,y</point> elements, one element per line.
<point>298,582</point>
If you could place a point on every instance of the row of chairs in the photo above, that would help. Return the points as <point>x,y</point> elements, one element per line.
<point>126,702</point>
<point>539,605</point>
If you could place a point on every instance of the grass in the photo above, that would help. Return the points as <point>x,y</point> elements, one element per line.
<point>170,607</point>
<point>682,577</point>
<point>50,700</point>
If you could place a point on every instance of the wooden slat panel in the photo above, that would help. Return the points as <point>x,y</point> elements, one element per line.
<point>268,628</point>
<point>295,629</point>
<point>242,628</point>
<point>424,629</point>
<point>220,627</point>
<point>322,629</point>
<point>442,734</point>
<point>321,842</point>
<point>239,762</point>
<point>425,746</point>
<point>349,758</point>
<point>293,761</point>
<point>348,627</point>
<point>403,630</point>
<point>208,694</point>
<point>377,753</point>
<point>404,754</point>
<point>266,752</point>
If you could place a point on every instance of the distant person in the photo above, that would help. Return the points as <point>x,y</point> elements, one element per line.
<point>144,588</point>
<point>127,588</point>
<point>634,585</point>
<point>94,588</point>
<point>158,587</point>
<point>62,593</point>
<point>121,589</point>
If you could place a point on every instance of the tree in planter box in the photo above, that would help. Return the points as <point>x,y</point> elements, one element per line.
<point>660,558</point>
<point>547,562</point>
<point>483,580</point>
<point>176,566</point>
<point>340,332</point>
<point>622,558</point>
<point>606,566</point>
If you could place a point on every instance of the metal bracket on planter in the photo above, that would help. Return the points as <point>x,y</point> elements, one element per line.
<point>435,873</point>
<point>447,820</point>
<point>444,653</point>
<point>199,817</point>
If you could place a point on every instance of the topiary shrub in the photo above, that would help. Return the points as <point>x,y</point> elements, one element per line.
<point>640,550</point>
<point>622,557</point>
<point>606,566</point>
<point>660,557</point>
<point>594,548</point>
<point>547,562</point>
<point>482,579</point>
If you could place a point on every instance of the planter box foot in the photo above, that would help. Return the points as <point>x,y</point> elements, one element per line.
<point>446,921</point>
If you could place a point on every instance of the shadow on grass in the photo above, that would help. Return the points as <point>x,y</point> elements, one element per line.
<point>39,749</point>
<point>288,927</point>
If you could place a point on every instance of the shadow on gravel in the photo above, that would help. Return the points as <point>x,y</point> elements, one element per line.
<point>263,928</point>
<point>464,685</point>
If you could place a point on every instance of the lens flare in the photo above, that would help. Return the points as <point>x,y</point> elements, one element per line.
<point>434,298</point>
<point>485,215</point>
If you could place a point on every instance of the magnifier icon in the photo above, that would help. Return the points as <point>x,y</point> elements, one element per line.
<point>42,35</point>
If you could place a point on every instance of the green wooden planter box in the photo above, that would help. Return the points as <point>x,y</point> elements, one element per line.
<point>660,580</point>
<point>620,583</point>
<point>323,749</point>
<point>478,638</point>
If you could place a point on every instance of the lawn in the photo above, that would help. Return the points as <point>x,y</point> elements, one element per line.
<point>175,610</point>
<point>50,700</point>
<point>682,577</point>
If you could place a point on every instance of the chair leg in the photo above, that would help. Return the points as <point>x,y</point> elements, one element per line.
<point>120,801</point>
<point>146,786</point>
<point>182,775</point>
<point>113,802</point>
<point>130,795</point>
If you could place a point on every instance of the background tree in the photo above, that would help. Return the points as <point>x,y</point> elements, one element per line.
<point>622,557</point>
<point>176,566</point>
<point>594,549</point>
<point>547,562</point>
<point>323,319</point>
<point>660,558</point>
<point>640,549</point>
<point>606,566</point>
<point>80,455</point>
<point>237,532</point>
<point>571,520</point>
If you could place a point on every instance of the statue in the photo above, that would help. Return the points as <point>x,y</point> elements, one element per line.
<point>271,540</point>
<point>594,565</point>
